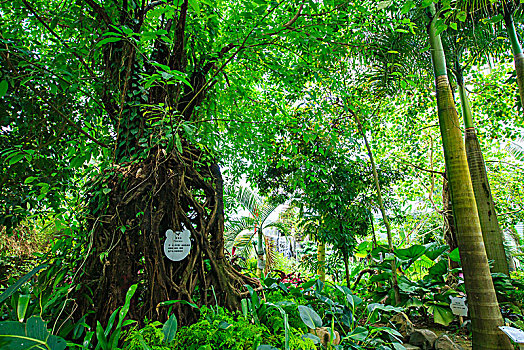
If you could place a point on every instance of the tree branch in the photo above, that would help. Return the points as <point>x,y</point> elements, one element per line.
<point>100,11</point>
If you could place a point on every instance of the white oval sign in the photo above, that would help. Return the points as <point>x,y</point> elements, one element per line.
<point>458,306</point>
<point>177,245</point>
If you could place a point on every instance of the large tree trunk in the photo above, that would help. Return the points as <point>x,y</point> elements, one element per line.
<point>491,232</point>
<point>146,199</point>
<point>483,305</point>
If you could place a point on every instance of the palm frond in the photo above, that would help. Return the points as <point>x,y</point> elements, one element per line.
<point>516,149</point>
<point>282,227</point>
<point>265,211</point>
<point>235,228</point>
<point>249,200</point>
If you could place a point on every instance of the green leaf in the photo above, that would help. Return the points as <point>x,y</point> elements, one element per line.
<point>169,329</point>
<point>100,336</point>
<point>411,253</point>
<point>439,269</point>
<point>358,334</point>
<point>21,309</point>
<point>408,5</point>
<point>425,3</point>
<point>178,143</point>
<point>454,255</point>
<point>441,314</point>
<point>453,26</point>
<point>434,250</point>
<point>195,5</point>
<point>108,40</point>
<point>16,158</point>
<point>309,317</point>
<point>3,87</point>
<point>30,179</point>
<point>30,335</point>
<point>14,287</point>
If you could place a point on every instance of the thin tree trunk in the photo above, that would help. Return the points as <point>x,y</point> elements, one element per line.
<point>321,257</point>
<point>517,51</point>
<point>374,236</point>
<point>396,290</point>
<point>491,232</point>
<point>483,305</point>
<point>346,265</point>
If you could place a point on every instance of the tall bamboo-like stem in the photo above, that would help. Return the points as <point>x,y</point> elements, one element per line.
<point>518,57</point>
<point>382,210</point>
<point>260,250</point>
<point>483,305</point>
<point>491,232</point>
<point>321,258</point>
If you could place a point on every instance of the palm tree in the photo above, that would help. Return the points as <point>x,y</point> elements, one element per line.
<point>507,10</point>
<point>485,313</point>
<point>491,232</point>
<point>240,233</point>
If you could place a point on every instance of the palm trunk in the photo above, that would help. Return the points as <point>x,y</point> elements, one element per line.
<point>450,232</point>
<point>517,51</point>
<point>321,257</point>
<point>483,305</point>
<point>394,280</point>
<point>491,232</point>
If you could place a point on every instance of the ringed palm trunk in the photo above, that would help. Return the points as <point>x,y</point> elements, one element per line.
<point>321,257</point>
<point>483,305</point>
<point>491,232</point>
<point>518,57</point>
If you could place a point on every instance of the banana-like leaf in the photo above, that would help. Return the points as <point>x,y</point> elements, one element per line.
<point>31,335</point>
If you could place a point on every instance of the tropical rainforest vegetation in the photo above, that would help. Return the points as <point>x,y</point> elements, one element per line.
<point>346,172</point>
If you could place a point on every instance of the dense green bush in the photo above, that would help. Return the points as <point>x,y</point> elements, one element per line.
<point>218,328</point>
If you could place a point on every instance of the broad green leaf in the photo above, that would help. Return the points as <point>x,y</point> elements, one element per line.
<point>169,329</point>
<point>30,335</point>
<point>441,314</point>
<point>309,317</point>
<point>358,334</point>
<point>410,253</point>
<point>3,87</point>
<point>434,250</point>
<point>439,269</point>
